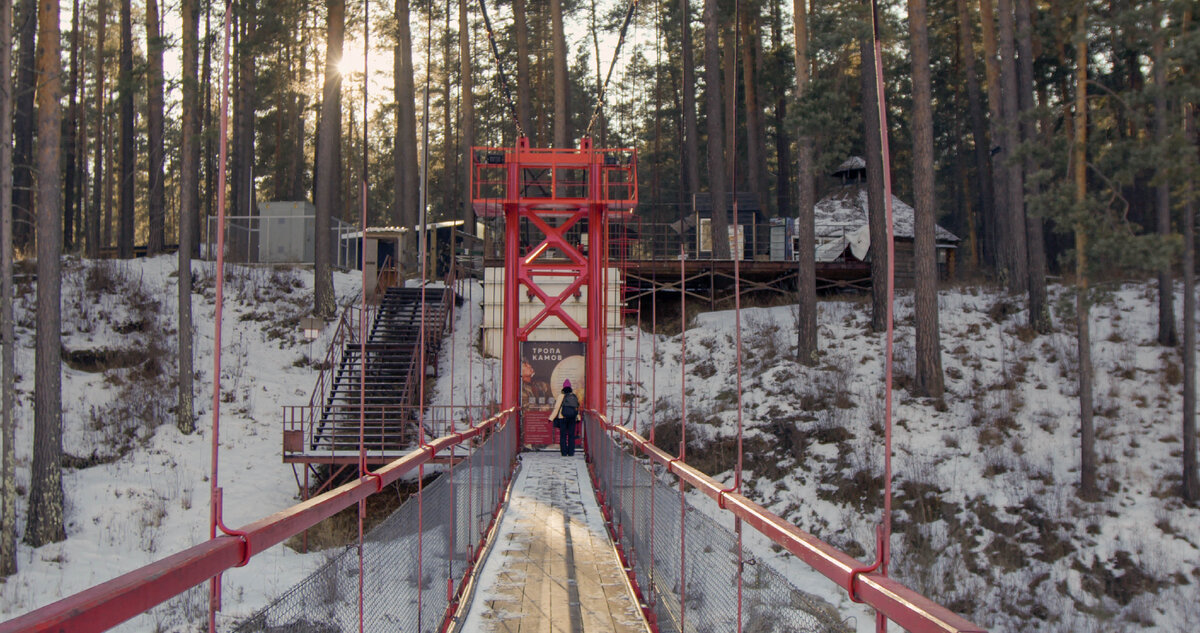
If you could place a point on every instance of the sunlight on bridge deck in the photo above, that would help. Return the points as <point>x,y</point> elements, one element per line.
<point>552,567</point>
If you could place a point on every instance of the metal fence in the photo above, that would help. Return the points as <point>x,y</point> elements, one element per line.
<point>281,239</point>
<point>686,563</point>
<point>414,563</point>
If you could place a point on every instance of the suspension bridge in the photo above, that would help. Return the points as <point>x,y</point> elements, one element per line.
<point>505,539</point>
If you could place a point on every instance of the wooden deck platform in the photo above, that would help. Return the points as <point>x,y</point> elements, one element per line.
<point>552,568</point>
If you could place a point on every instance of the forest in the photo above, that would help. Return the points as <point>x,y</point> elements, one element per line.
<point>1057,137</point>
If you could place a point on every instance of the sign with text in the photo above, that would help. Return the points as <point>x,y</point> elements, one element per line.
<point>545,365</point>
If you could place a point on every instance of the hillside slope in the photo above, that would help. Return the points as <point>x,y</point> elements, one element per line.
<point>136,490</point>
<point>987,520</point>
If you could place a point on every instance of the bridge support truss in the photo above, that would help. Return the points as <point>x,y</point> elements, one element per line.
<point>566,195</point>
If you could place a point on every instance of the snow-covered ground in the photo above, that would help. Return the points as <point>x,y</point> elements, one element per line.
<point>987,519</point>
<point>147,495</point>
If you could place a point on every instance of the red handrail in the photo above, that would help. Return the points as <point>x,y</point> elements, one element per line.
<point>898,603</point>
<point>111,603</point>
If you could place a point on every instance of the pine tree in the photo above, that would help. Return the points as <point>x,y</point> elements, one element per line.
<point>156,239</point>
<point>1039,311</point>
<point>691,128</point>
<point>185,419</point>
<point>23,124</point>
<point>1087,435</point>
<point>876,214</point>
<point>125,234</point>
<point>984,201</point>
<point>8,479</point>
<point>716,144</point>
<point>522,37</point>
<point>1167,335</point>
<point>806,345</point>
<point>929,379</point>
<point>328,176</point>
<point>405,183</point>
<point>45,523</point>
<point>1191,479</point>
<point>562,86</point>
<point>99,175</point>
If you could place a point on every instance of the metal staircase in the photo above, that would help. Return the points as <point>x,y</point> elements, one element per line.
<point>386,395</point>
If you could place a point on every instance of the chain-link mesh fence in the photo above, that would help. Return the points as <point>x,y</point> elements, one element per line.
<point>413,562</point>
<point>646,514</point>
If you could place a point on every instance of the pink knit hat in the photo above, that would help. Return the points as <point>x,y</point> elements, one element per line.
<point>567,384</point>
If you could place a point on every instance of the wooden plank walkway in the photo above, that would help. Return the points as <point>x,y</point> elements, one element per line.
<point>552,567</point>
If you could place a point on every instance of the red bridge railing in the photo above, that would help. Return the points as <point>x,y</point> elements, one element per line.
<point>615,481</point>
<point>113,602</point>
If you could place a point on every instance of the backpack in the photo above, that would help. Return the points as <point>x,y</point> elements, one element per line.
<point>570,407</point>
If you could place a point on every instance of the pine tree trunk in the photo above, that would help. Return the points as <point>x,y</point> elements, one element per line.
<point>806,283</point>
<point>206,127</point>
<point>110,181</point>
<point>1002,235</point>
<point>71,142</point>
<point>45,524</point>
<point>1191,486</point>
<point>243,192</point>
<point>1087,436</point>
<point>783,155</point>
<point>300,108</point>
<point>405,181</point>
<point>23,211</point>
<point>523,91</point>
<point>1191,481</point>
<point>876,212</point>
<point>154,119</point>
<point>128,150</point>
<point>467,212</point>
<point>1018,280</point>
<point>595,29</point>
<point>328,176</point>
<point>80,189</point>
<point>929,379</point>
<point>189,170</point>
<point>449,143</point>
<point>1039,310</point>
<point>562,85</point>
<point>283,140</point>
<point>691,128</point>
<point>1167,336</point>
<point>716,149</point>
<point>984,202</point>
<point>99,175</point>
<point>729,100</point>
<point>756,166</point>
<point>8,475</point>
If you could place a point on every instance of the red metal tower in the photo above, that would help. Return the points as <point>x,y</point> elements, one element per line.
<point>551,192</point>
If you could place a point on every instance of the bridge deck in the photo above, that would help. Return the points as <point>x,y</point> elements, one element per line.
<point>552,567</point>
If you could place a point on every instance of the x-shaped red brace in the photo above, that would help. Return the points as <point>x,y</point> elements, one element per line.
<point>529,267</point>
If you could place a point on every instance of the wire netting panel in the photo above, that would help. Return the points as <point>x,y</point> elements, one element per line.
<point>688,569</point>
<point>413,561</point>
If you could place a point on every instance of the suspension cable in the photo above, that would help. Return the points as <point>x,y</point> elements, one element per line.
<point>363,470</point>
<point>613,64</point>
<point>512,108</point>
<point>215,506</point>
<point>884,529</point>
<point>682,433</point>
<point>737,301</point>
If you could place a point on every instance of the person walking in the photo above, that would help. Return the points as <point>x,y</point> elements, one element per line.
<point>566,419</point>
